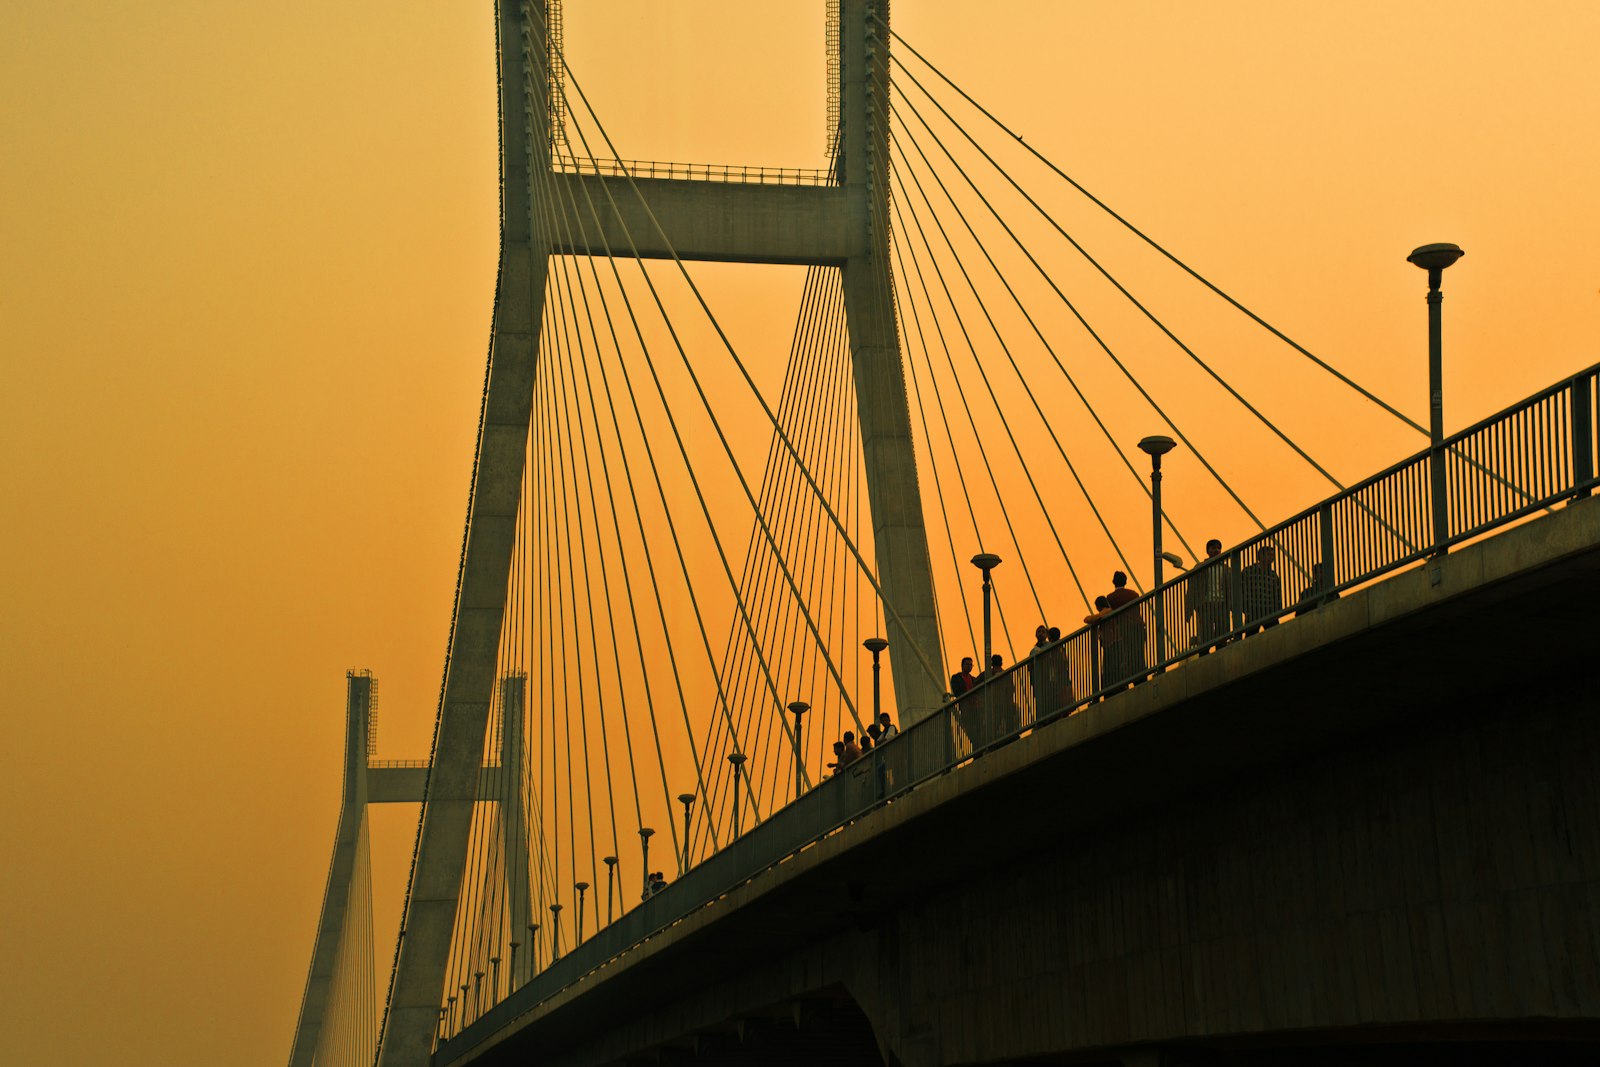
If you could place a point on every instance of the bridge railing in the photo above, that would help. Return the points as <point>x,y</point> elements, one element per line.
<point>739,173</point>
<point>1522,460</point>
<point>1529,457</point>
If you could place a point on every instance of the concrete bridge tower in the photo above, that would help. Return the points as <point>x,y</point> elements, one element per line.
<point>842,225</point>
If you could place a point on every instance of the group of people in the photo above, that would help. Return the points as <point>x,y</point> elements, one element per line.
<point>997,714</point>
<point>848,748</point>
<point>1217,604</point>
<point>1209,595</point>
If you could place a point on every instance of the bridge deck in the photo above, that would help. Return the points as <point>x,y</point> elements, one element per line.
<point>1429,640</point>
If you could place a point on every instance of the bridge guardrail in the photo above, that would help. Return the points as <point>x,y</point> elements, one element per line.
<point>737,173</point>
<point>1529,457</point>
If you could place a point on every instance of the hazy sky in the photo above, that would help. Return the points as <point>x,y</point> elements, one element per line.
<point>248,259</point>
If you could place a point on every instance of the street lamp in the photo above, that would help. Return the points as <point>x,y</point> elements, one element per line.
<point>1156,446</point>
<point>876,645</point>
<point>1434,259</point>
<point>611,884</point>
<point>555,932</point>
<point>687,800</point>
<point>581,887</point>
<point>798,708</point>
<point>644,838</point>
<point>737,759</point>
<point>986,562</point>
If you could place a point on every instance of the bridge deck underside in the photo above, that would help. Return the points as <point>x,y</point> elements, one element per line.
<point>1380,822</point>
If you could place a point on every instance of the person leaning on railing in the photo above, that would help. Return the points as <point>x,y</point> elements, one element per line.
<point>1128,633</point>
<point>967,716</point>
<point>1101,653</point>
<point>1262,591</point>
<point>999,701</point>
<point>1206,597</point>
<point>1318,591</point>
<point>1047,671</point>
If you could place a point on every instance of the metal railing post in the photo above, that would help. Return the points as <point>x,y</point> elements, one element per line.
<point>1582,435</point>
<point>1325,531</point>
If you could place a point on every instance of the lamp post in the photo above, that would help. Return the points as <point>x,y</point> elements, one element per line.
<point>1434,259</point>
<point>876,645</point>
<point>737,759</point>
<point>1156,446</point>
<point>580,887</point>
<point>644,838</point>
<point>687,800</point>
<point>986,562</point>
<point>555,932</point>
<point>798,708</point>
<point>611,884</point>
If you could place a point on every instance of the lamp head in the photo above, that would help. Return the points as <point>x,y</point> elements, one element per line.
<point>686,799</point>
<point>986,561</point>
<point>875,644</point>
<point>1157,445</point>
<point>737,759</point>
<point>1435,256</point>
<point>798,708</point>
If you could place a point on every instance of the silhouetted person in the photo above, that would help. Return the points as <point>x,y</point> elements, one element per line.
<point>1261,590</point>
<point>1056,671</point>
<point>875,732</point>
<point>962,680</point>
<point>852,751</point>
<point>1129,633</point>
<point>999,701</point>
<point>1100,640</point>
<point>1207,593</point>
<point>887,727</point>
<point>1039,673</point>
<point>968,717</point>
<point>866,743</point>
<point>838,755</point>
<point>1318,591</point>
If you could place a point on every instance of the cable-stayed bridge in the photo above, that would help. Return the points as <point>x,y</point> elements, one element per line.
<point>637,838</point>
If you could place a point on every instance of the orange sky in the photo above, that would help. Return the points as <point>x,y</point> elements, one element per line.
<point>244,297</point>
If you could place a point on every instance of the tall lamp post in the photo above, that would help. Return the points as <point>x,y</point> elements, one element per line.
<point>687,800</point>
<point>1156,446</point>
<point>1434,259</point>
<point>986,562</point>
<point>581,887</point>
<point>876,645</point>
<point>611,886</point>
<point>798,708</point>
<point>737,759</point>
<point>645,834</point>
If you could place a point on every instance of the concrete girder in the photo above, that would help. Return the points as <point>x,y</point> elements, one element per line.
<point>728,222</point>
